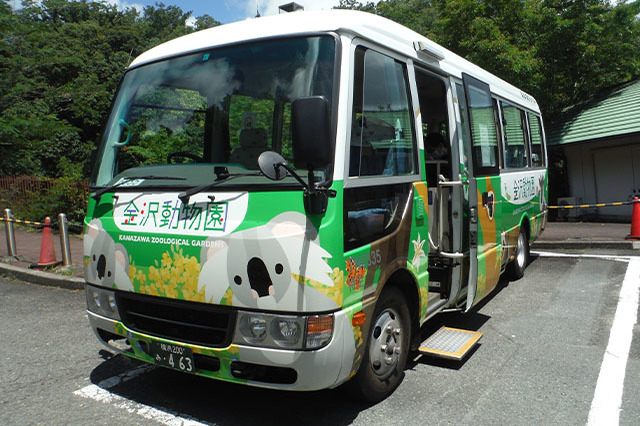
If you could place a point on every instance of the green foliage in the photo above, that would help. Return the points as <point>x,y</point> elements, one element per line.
<point>205,21</point>
<point>560,51</point>
<point>66,196</point>
<point>61,62</point>
<point>34,199</point>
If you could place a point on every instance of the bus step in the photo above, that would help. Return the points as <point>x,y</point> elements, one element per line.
<point>450,343</point>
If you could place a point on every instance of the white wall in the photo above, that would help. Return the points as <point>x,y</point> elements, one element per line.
<point>604,172</point>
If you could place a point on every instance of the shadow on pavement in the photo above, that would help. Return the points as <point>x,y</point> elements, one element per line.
<point>221,403</point>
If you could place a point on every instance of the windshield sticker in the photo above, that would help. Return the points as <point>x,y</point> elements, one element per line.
<point>125,181</point>
<point>165,213</point>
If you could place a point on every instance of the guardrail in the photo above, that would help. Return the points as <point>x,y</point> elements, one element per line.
<point>62,224</point>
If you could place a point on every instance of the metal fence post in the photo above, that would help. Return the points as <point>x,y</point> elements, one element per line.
<point>11,236</point>
<point>64,240</point>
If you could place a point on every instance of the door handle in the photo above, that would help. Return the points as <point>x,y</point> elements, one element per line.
<point>442,181</point>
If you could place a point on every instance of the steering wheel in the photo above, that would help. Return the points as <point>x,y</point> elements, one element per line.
<point>185,155</point>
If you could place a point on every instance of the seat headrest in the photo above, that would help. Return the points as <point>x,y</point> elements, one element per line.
<point>253,138</point>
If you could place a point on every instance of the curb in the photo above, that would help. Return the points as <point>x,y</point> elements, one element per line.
<point>42,278</point>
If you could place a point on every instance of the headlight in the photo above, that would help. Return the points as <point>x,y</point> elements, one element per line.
<point>102,302</point>
<point>283,331</point>
<point>286,332</point>
<point>253,328</point>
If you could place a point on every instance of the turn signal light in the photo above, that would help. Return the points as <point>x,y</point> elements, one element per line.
<point>319,331</point>
<point>358,319</point>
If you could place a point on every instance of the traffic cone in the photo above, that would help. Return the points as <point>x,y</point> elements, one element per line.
<point>47,253</point>
<point>635,221</point>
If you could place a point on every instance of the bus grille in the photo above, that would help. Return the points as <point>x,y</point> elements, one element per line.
<point>180,321</point>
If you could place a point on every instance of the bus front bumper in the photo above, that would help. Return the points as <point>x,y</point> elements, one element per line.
<point>304,370</point>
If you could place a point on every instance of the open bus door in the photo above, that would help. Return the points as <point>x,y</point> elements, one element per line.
<point>484,186</point>
<point>453,212</point>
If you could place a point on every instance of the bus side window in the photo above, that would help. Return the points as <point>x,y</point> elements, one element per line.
<point>537,154</point>
<point>382,138</point>
<point>464,114</point>
<point>483,131</point>
<point>382,144</point>
<point>432,97</point>
<point>515,147</point>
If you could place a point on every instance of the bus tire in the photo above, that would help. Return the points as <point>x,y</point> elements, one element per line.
<point>385,356</point>
<point>515,269</point>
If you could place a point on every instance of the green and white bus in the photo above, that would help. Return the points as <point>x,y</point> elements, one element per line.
<point>283,202</point>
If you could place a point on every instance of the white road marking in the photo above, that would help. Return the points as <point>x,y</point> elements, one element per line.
<point>100,393</point>
<point>607,399</point>
<point>585,256</point>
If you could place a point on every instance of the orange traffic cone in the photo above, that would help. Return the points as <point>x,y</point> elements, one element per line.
<point>47,253</point>
<point>635,221</point>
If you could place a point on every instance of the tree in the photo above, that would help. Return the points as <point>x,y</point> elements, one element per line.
<point>61,61</point>
<point>560,51</point>
<point>205,21</point>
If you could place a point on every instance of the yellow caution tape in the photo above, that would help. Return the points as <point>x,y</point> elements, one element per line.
<point>24,222</point>
<point>585,206</point>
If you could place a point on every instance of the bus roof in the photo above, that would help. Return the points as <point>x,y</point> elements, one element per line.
<point>345,22</point>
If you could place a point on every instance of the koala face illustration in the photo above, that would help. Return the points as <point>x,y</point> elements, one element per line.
<point>262,265</point>
<point>102,260</point>
<point>258,268</point>
<point>108,264</point>
<point>543,201</point>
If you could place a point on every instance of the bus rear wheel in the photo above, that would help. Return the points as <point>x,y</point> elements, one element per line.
<point>515,269</point>
<point>382,367</point>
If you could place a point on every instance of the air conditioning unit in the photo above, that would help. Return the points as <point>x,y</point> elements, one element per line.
<point>569,213</point>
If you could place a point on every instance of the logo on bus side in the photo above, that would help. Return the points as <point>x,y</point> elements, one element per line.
<point>166,214</point>
<point>521,188</point>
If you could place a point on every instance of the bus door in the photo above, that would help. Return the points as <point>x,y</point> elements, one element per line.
<point>484,190</point>
<point>443,182</point>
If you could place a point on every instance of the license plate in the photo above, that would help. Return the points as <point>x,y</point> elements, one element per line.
<point>173,356</point>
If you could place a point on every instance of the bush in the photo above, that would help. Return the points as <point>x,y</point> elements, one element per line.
<point>34,199</point>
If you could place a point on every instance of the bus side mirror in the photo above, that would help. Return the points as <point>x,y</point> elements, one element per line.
<point>311,133</point>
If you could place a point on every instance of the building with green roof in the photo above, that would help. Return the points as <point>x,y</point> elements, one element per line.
<point>600,140</point>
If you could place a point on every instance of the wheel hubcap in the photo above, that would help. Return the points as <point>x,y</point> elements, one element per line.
<point>520,253</point>
<point>385,344</point>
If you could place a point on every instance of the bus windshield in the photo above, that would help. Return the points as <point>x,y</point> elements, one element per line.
<point>182,120</point>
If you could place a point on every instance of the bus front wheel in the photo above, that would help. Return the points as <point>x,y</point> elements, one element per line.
<point>382,367</point>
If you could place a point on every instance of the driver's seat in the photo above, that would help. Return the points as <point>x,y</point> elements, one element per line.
<point>253,142</point>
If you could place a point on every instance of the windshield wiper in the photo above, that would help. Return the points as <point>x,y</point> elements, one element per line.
<point>222,176</point>
<point>96,196</point>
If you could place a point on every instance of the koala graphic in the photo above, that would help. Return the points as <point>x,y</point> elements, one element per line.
<point>260,265</point>
<point>543,201</point>
<point>108,262</point>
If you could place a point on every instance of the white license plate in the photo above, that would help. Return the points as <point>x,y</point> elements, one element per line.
<point>173,356</point>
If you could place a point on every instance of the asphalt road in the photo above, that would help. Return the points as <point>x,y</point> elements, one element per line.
<point>538,363</point>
